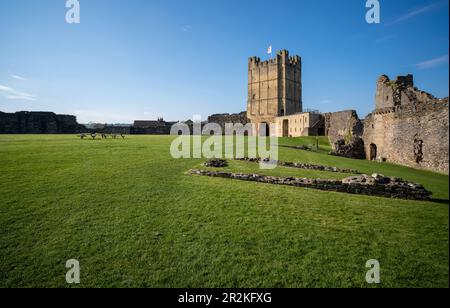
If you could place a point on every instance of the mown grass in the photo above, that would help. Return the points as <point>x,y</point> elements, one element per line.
<point>133,218</point>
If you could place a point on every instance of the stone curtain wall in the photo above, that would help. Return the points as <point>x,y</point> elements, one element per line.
<point>412,135</point>
<point>111,129</point>
<point>161,129</point>
<point>409,127</point>
<point>342,125</point>
<point>225,118</point>
<point>38,123</point>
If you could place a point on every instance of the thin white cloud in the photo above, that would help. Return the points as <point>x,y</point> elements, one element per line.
<point>417,12</point>
<point>433,62</point>
<point>17,77</point>
<point>186,28</point>
<point>13,94</point>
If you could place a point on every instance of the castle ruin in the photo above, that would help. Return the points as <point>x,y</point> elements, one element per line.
<point>38,123</point>
<point>408,127</point>
<point>275,97</point>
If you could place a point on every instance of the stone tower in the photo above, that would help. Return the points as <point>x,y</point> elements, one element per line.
<point>393,93</point>
<point>274,89</point>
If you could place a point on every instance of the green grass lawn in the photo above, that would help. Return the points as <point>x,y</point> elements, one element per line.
<point>133,218</point>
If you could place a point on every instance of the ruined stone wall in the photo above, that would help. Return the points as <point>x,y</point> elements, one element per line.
<point>375,185</point>
<point>111,129</point>
<point>412,135</point>
<point>352,149</point>
<point>161,130</point>
<point>225,118</point>
<point>38,123</point>
<point>411,128</point>
<point>342,125</point>
<point>399,92</point>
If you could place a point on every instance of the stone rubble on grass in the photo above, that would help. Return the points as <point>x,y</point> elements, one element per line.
<point>302,166</point>
<point>216,163</point>
<point>375,185</point>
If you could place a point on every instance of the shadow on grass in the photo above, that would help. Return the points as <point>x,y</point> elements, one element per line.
<point>441,201</point>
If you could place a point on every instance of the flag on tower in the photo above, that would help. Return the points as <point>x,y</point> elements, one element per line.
<point>269,50</point>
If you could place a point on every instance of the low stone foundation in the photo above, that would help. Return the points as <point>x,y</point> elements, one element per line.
<point>303,166</point>
<point>375,185</point>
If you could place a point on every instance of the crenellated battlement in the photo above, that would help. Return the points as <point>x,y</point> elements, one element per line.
<point>254,60</point>
<point>282,57</point>
<point>295,60</point>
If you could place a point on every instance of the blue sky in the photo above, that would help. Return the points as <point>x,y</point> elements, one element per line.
<point>143,59</point>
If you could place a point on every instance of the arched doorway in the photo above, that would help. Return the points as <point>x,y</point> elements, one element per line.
<point>286,128</point>
<point>264,130</point>
<point>373,152</point>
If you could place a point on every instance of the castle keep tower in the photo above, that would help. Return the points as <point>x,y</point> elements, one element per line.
<point>274,89</point>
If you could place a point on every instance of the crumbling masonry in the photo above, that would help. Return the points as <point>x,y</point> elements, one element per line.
<point>409,127</point>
